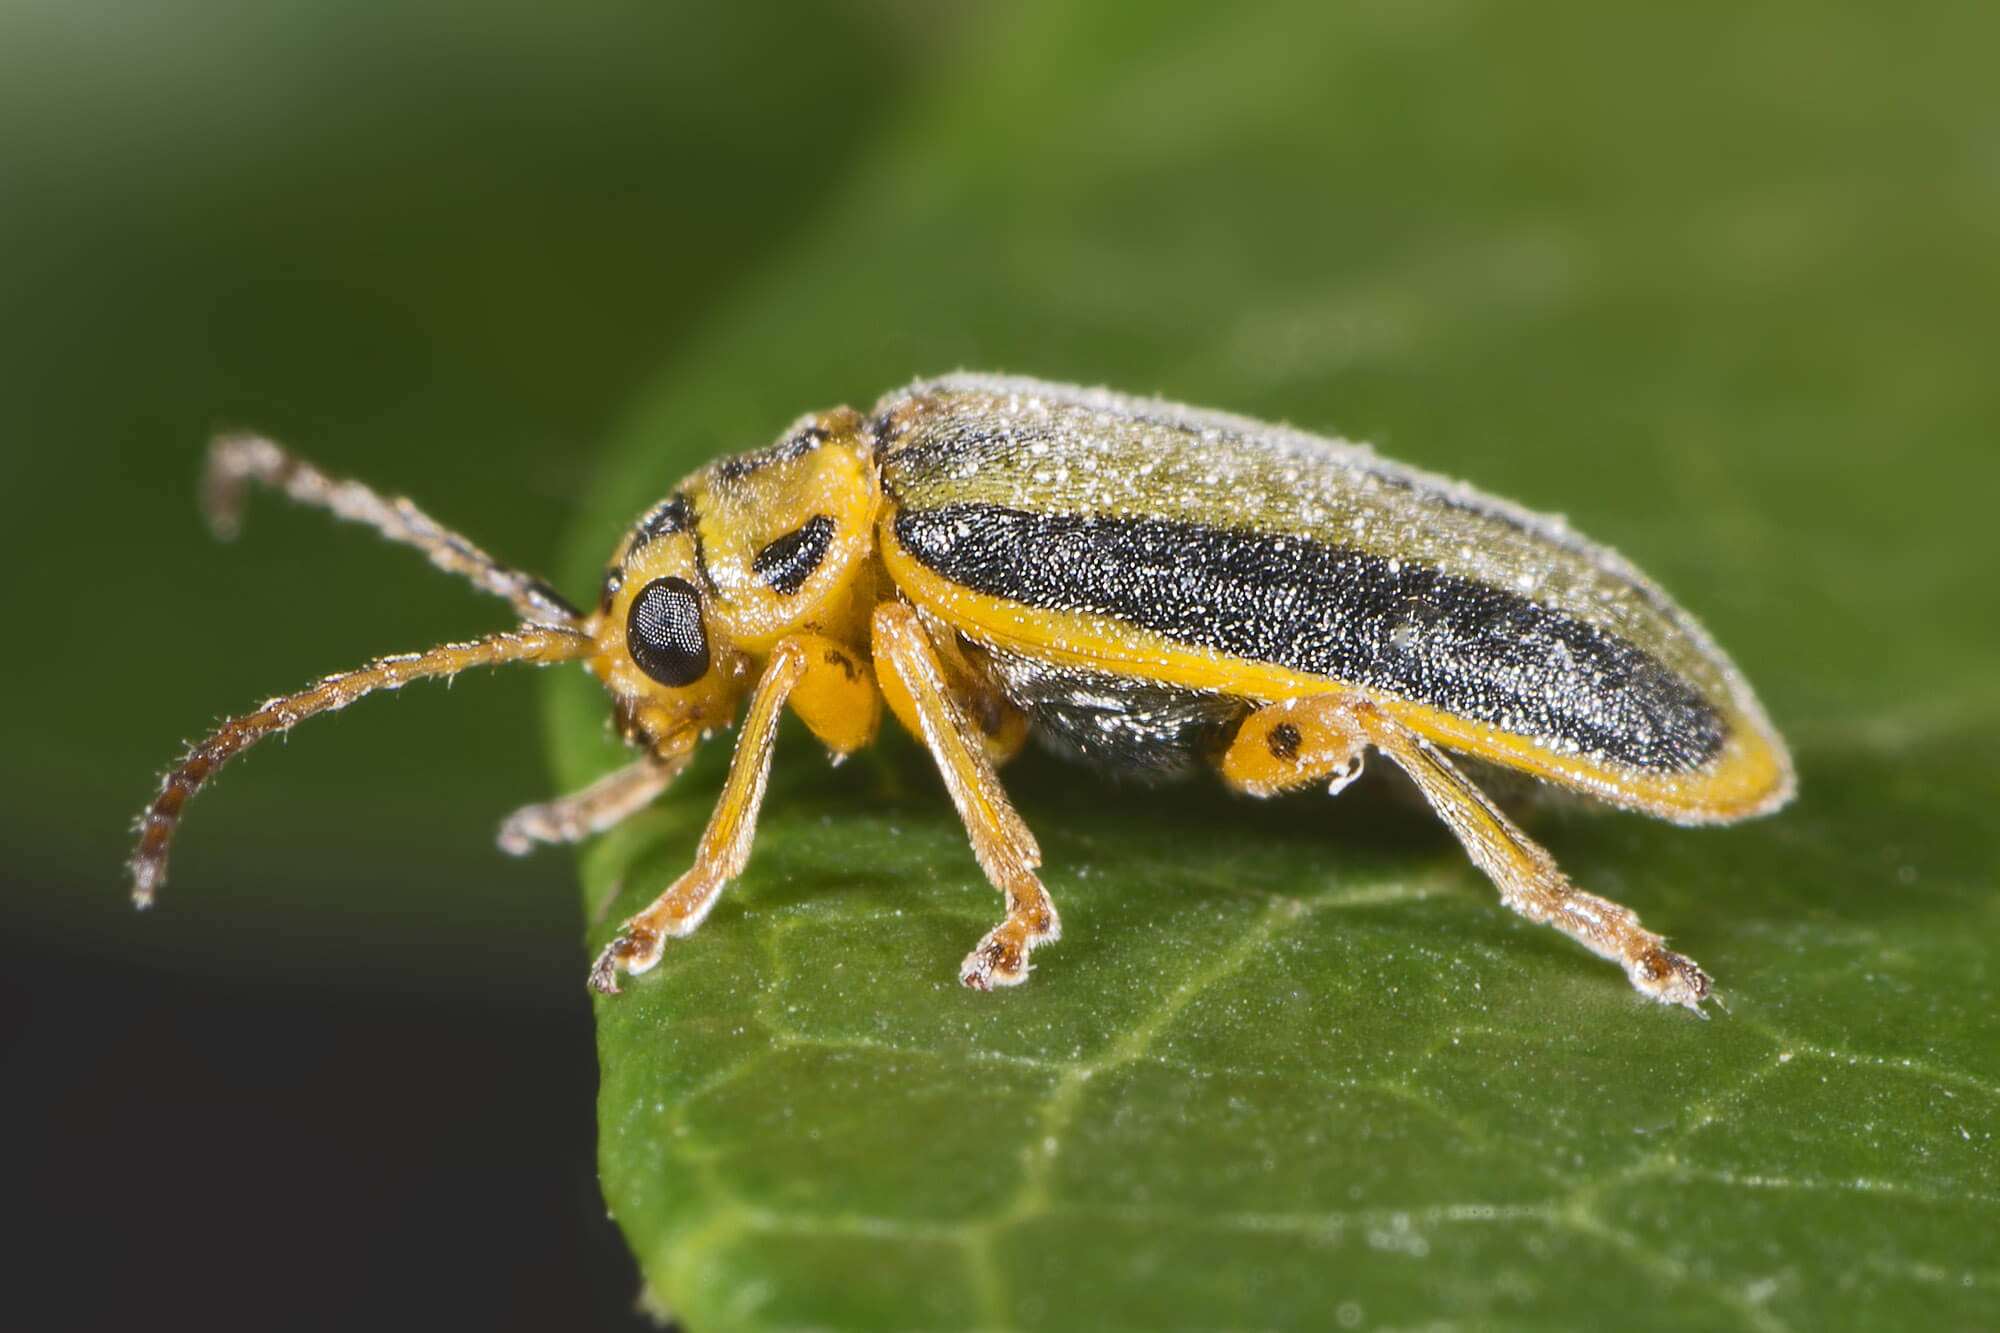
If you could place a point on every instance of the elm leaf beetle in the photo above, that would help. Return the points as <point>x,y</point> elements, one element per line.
<point>1146,587</point>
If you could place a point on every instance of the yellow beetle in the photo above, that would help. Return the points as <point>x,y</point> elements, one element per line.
<point>1147,587</point>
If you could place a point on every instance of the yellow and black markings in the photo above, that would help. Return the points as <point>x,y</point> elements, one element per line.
<point>1149,588</point>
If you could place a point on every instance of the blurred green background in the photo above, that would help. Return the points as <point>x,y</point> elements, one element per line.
<point>1719,281</point>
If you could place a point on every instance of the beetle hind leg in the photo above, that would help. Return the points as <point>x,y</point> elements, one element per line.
<point>1527,876</point>
<point>1293,742</point>
<point>915,684</point>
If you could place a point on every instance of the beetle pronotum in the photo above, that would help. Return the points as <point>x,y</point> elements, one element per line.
<point>1147,587</point>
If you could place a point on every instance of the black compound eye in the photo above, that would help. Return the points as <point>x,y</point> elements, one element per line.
<point>664,634</point>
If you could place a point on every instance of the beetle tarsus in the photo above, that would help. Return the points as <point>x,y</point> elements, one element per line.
<point>998,961</point>
<point>635,950</point>
<point>1670,978</point>
<point>604,972</point>
<point>1001,958</point>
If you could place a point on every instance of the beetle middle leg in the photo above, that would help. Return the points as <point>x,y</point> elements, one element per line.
<point>610,800</point>
<point>1296,741</point>
<point>916,685</point>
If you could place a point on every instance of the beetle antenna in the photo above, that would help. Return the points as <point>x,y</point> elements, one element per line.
<point>234,460</point>
<point>536,644</point>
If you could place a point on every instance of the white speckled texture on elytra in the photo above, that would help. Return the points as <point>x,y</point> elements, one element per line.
<point>1546,636</point>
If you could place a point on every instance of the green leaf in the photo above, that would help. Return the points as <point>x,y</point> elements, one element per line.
<point>1291,1065</point>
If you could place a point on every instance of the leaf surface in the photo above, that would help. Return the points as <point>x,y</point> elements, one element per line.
<point>1291,1065</point>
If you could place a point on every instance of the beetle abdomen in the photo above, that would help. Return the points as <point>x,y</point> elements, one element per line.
<point>1118,723</point>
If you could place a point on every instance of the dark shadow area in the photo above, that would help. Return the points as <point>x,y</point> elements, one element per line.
<point>196,1152</point>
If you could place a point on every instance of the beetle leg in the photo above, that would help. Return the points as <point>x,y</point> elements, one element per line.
<point>605,802</point>
<point>914,682</point>
<point>1526,875</point>
<point>725,846</point>
<point>1002,725</point>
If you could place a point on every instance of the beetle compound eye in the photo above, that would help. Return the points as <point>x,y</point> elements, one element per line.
<point>664,633</point>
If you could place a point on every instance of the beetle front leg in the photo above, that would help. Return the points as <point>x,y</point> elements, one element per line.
<point>725,845</point>
<point>913,680</point>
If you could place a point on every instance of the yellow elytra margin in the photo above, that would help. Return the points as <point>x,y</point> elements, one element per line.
<point>1146,587</point>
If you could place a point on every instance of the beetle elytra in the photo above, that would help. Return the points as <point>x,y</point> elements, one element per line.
<point>1147,587</point>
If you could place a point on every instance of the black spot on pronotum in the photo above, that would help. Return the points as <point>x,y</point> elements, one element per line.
<point>787,562</point>
<point>664,634</point>
<point>1284,741</point>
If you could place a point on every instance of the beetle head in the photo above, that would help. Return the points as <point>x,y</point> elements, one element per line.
<point>745,551</point>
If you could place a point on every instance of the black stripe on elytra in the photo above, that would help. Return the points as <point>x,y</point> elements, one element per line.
<point>952,441</point>
<point>788,561</point>
<point>1465,647</point>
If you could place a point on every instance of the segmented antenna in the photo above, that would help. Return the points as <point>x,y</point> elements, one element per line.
<point>234,460</point>
<point>536,644</point>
